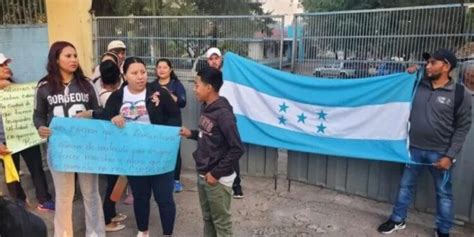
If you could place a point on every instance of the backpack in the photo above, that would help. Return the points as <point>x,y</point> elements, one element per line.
<point>458,98</point>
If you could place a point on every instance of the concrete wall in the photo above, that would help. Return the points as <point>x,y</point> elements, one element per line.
<point>70,20</point>
<point>28,46</point>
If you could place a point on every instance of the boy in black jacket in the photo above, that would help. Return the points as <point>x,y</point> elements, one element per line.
<point>219,146</point>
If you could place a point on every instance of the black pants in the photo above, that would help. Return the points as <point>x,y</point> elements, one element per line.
<point>109,205</point>
<point>177,169</point>
<point>237,172</point>
<point>162,187</point>
<point>32,158</point>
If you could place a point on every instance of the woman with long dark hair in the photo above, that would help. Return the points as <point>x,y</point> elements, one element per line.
<point>167,79</point>
<point>142,102</point>
<point>66,92</point>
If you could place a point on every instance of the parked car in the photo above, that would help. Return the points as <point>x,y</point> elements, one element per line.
<point>334,70</point>
<point>390,68</point>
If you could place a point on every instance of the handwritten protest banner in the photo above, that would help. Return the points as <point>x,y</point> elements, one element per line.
<point>94,146</point>
<point>16,106</point>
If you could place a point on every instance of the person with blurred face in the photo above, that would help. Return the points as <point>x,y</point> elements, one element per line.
<point>440,119</point>
<point>141,102</point>
<point>31,156</point>
<point>167,79</point>
<point>66,92</point>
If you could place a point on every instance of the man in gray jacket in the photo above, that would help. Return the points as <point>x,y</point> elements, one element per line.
<point>440,120</point>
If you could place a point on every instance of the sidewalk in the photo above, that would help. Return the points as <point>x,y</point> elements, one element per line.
<point>305,211</point>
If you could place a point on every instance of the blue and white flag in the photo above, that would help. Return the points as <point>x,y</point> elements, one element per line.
<point>363,118</point>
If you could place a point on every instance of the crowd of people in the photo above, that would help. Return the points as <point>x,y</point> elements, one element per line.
<point>119,92</point>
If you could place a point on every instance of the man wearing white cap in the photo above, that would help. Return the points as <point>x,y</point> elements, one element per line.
<point>116,51</point>
<point>214,60</point>
<point>118,48</point>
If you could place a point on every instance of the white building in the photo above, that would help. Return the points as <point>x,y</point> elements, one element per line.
<point>282,7</point>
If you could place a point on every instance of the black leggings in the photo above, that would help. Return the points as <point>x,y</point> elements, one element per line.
<point>32,158</point>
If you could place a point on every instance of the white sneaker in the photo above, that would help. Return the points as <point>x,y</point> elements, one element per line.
<point>143,234</point>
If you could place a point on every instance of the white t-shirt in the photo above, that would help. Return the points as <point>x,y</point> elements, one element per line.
<point>225,180</point>
<point>133,107</point>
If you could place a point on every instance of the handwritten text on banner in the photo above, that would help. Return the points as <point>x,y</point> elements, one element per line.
<point>16,103</point>
<point>94,146</point>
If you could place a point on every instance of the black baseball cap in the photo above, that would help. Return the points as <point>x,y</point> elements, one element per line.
<point>443,55</point>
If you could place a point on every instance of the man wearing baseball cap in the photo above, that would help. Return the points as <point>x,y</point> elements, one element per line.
<point>214,60</point>
<point>439,122</point>
<point>116,51</point>
<point>118,48</point>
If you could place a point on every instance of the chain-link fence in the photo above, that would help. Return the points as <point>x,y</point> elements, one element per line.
<point>364,43</point>
<point>184,40</point>
<point>21,12</point>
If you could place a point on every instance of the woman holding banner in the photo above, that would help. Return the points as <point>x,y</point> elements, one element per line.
<point>141,102</point>
<point>66,92</point>
<point>31,155</point>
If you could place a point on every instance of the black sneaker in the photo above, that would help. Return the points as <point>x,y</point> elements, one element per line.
<point>439,234</point>
<point>238,194</point>
<point>391,226</point>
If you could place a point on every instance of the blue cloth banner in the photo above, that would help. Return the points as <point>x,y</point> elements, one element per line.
<point>99,147</point>
<point>359,118</point>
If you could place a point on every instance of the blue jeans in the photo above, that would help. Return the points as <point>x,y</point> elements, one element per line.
<point>442,181</point>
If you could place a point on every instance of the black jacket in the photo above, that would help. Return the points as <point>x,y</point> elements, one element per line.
<point>166,113</point>
<point>219,144</point>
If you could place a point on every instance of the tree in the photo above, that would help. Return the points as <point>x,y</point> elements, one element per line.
<point>176,37</point>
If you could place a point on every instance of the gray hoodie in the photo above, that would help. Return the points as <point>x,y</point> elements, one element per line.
<point>433,123</point>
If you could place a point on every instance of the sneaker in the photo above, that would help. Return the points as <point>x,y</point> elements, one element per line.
<point>178,186</point>
<point>119,217</point>
<point>129,199</point>
<point>142,234</point>
<point>114,226</point>
<point>46,206</point>
<point>238,194</point>
<point>391,226</point>
<point>439,234</point>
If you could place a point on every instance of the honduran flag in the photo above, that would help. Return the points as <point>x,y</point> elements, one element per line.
<point>360,118</point>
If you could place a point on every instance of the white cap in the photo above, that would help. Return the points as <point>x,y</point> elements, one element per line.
<point>4,59</point>
<point>116,44</point>
<point>212,51</point>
